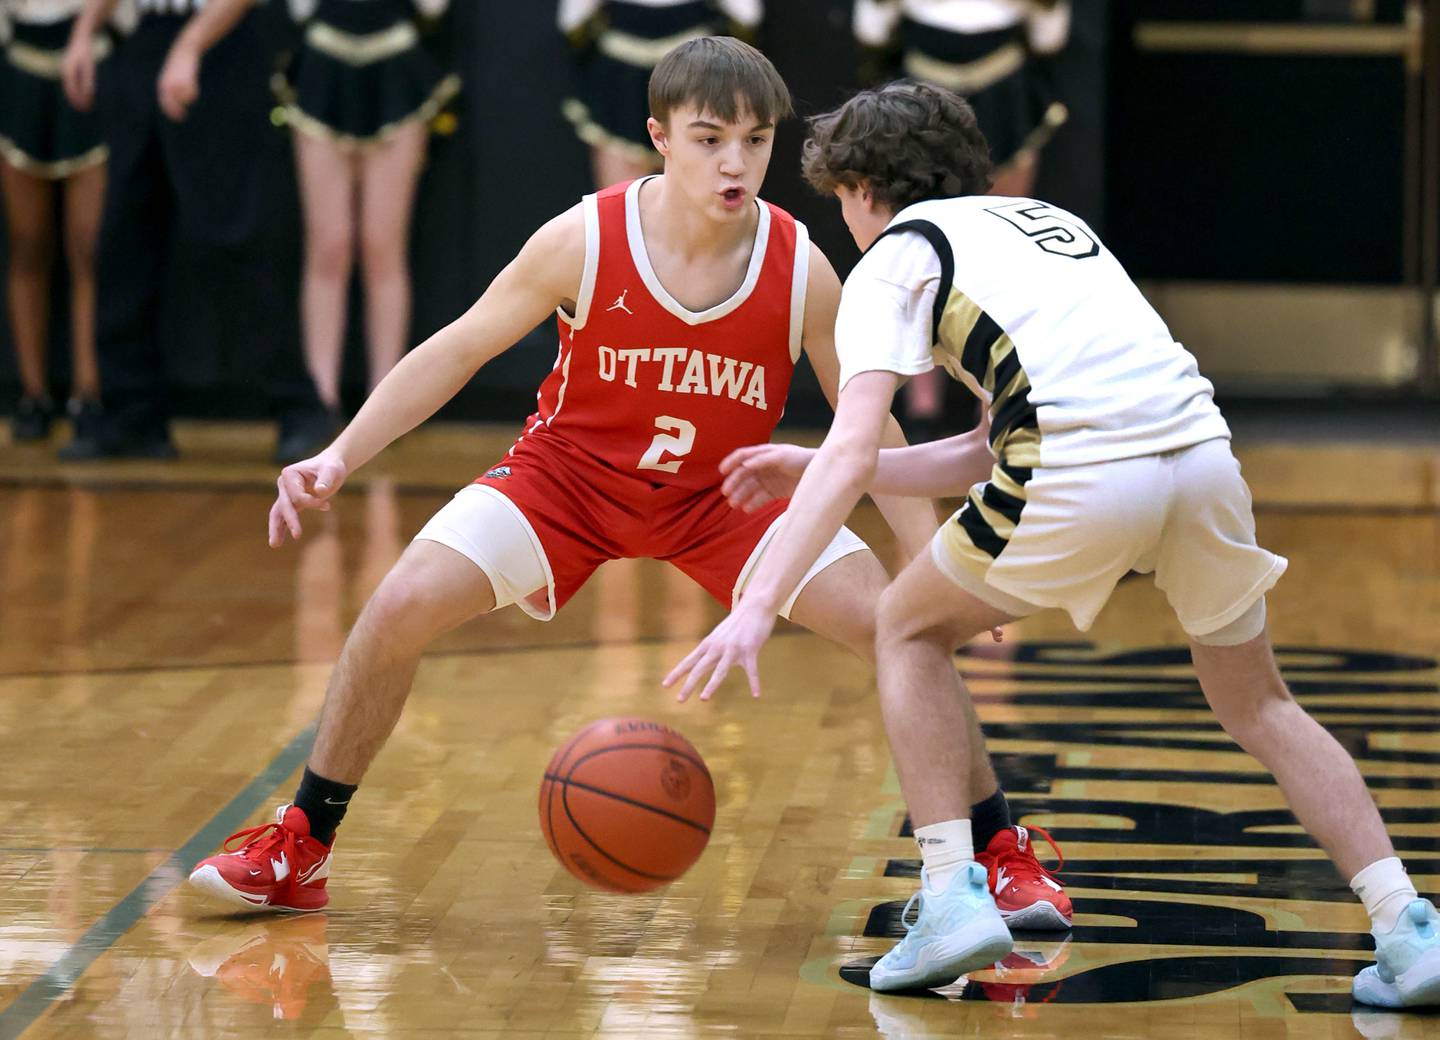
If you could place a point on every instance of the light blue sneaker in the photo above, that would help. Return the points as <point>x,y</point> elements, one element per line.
<point>1406,972</point>
<point>957,931</point>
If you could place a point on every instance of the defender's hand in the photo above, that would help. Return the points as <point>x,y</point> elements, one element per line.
<point>304,485</point>
<point>735,641</point>
<point>179,83</point>
<point>762,473</point>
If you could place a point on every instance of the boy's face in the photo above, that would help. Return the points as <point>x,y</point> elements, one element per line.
<point>863,215</point>
<point>717,166</point>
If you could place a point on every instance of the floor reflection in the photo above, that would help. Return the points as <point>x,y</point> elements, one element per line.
<point>1033,960</point>
<point>281,963</point>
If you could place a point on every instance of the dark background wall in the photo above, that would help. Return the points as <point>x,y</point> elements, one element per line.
<point>1195,167</point>
<point>1255,167</point>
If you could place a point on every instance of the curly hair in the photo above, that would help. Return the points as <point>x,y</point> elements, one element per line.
<point>911,141</point>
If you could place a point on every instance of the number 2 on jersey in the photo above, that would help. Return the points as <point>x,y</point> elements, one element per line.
<point>677,438</point>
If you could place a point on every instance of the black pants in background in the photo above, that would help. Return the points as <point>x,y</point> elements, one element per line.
<point>200,182</point>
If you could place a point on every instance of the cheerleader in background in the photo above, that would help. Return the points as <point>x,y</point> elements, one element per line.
<point>617,43</point>
<point>991,52</point>
<point>359,97</point>
<point>47,145</point>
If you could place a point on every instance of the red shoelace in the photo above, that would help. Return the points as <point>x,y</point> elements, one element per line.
<point>1023,863</point>
<point>255,840</point>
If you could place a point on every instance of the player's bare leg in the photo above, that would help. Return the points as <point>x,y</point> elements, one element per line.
<point>430,590</point>
<point>389,172</point>
<point>839,603</point>
<point>922,618</point>
<point>1250,699</point>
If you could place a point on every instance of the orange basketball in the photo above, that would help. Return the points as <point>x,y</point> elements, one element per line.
<point>627,805</point>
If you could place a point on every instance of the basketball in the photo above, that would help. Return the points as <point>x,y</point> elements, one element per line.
<point>627,804</point>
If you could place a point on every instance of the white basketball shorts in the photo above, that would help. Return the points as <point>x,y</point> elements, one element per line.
<point>1064,536</point>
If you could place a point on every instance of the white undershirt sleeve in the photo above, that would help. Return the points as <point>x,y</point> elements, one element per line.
<point>887,307</point>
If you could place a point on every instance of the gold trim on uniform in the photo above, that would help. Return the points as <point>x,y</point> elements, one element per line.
<point>957,321</point>
<point>971,342</point>
<point>46,64</point>
<point>977,532</point>
<point>1020,446</point>
<point>1016,442</point>
<point>51,171</point>
<point>642,51</point>
<point>962,551</point>
<point>428,110</point>
<point>592,133</point>
<point>362,50</point>
<point>966,77</point>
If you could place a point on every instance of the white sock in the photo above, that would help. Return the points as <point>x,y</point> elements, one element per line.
<point>944,849</point>
<point>1385,889</point>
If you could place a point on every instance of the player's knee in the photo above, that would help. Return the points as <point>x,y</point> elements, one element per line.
<point>1256,715</point>
<point>861,638</point>
<point>401,612</point>
<point>894,621</point>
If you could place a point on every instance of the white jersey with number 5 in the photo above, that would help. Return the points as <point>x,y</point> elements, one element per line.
<point>1020,300</point>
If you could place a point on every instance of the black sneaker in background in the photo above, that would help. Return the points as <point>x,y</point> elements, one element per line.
<point>86,418</point>
<point>305,433</point>
<point>32,419</point>
<point>106,441</point>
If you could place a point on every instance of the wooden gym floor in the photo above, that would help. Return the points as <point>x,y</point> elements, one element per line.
<point>161,671</point>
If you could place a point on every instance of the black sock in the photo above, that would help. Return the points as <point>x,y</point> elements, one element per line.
<point>323,802</point>
<point>989,818</point>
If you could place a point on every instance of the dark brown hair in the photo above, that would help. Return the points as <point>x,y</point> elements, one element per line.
<point>911,141</point>
<point>719,75</point>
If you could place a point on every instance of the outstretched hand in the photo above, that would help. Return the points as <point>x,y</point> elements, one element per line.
<point>736,641</point>
<point>308,484</point>
<point>762,473</point>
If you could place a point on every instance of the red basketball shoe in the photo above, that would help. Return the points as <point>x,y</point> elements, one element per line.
<point>1027,894</point>
<point>277,865</point>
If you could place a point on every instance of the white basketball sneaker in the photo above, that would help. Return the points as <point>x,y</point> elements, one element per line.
<point>956,931</point>
<point>1406,972</point>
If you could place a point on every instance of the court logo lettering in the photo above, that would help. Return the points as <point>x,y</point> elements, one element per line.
<point>1238,895</point>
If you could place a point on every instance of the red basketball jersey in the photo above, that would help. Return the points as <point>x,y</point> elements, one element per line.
<point>658,391</point>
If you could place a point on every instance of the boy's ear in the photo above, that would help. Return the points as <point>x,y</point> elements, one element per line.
<point>659,137</point>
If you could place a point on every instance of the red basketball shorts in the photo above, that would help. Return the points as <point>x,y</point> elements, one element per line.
<point>544,517</point>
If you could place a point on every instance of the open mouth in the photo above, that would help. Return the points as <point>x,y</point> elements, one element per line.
<point>733,196</point>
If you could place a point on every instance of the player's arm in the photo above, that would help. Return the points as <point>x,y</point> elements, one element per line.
<point>842,471</point>
<point>545,274</point>
<point>179,84</point>
<point>940,469</point>
<point>912,520</point>
<point>762,473</point>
